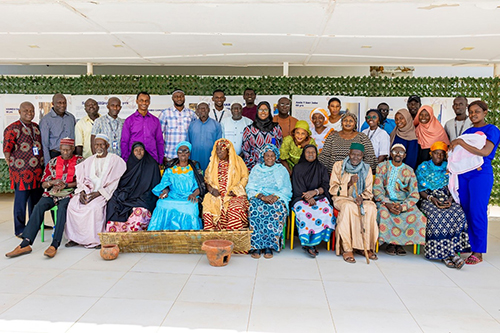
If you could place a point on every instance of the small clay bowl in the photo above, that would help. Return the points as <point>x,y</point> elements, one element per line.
<point>109,251</point>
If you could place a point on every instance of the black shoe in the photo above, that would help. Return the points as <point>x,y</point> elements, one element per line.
<point>48,226</point>
<point>71,244</point>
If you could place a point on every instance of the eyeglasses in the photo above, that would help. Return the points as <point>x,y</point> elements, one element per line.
<point>182,151</point>
<point>398,152</point>
<point>263,110</point>
<point>284,104</point>
<point>372,117</point>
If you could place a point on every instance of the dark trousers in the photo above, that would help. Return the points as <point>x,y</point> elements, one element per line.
<point>21,198</point>
<point>36,220</point>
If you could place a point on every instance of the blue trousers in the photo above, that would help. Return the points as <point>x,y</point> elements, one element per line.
<point>474,192</point>
<point>21,199</point>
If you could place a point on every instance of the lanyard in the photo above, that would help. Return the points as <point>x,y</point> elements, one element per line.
<point>221,116</point>
<point>371,136</point>
<point>30,133</point>
<point>461,129</point>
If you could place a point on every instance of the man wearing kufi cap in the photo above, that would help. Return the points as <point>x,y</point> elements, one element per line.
<point>97,178</point>
<point>233,127</point>
<point>396,194</point>
<point>59,182</point>
<point>351,189</point>
<point>175,122</point>
<point>202,134</point>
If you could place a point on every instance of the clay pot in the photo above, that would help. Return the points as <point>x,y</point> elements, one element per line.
<point>109,251</point>
<point>218,251</point>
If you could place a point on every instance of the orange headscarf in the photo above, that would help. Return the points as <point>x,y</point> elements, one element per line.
<point>431,132</point>
<point>439,145</point>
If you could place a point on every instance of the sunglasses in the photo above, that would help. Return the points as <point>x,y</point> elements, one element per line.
<point>182,151</point>
<point>372,117</point>
<point>400,153</point>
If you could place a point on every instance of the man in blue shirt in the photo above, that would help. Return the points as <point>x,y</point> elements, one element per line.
<point>202,134</point>
<point>386,124</point>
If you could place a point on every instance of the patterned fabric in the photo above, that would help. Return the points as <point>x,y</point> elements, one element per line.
<point>112,128</point>
<point>174,125</point>
<point>314,223</point>
<point>83,130</point>
<point>290,152</point>
<point>54,128</point>
<point>398,184</point>
<point>25,168</point>
<point>431,176</point>
<point>267,222</point>
<point>336,149</point>
<point>137,221</point>
<point>254,140</point>
<point>446,231</point>
<point>67,168</point>
<point>320,138</point>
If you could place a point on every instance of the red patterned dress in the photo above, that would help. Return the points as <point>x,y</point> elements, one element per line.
<point>254,139</point>
<point>25,168</point>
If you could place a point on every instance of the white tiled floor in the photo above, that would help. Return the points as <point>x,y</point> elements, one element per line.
<point>77,291</point>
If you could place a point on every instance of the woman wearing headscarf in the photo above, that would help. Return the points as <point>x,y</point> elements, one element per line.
<point>321,127</point>
<point>378,137</point>
<point>269,190</point>
<point>311,201</point>
<point>292,146</point>
<point>132,203</point>
<point>180,190</point>
<point>351,189</point>
<point>404,134</point>
<point>428,130</point>
<point>337,145</point>
<point>446,229</point>
<point>225,205</point>
<point>262,131</point>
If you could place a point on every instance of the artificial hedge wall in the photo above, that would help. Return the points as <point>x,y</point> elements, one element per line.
<point>485,88</point>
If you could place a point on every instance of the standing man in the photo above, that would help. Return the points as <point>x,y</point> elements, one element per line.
<point>386,124</point>
<point>144,127</point>
<point>83,129</point>
<point>202,134</point>
<point>250,109</point>
<point>175,122</point>
<point>283,118</point>
<point>109,125</point>
<point>56,125</point>
<point>456,126</point>
<point>413,104</point>
<point>22,147</point>
<point>232,128</point>
<point>59,182</point>
<point>218,112</point>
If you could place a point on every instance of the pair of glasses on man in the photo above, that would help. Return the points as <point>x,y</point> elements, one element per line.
<point>398,152</point>
<point>182,151</point>
<point>371,117</point>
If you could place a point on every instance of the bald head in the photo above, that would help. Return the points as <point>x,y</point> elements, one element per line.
<point>114,106</point>
<point>26,112</point>
<point>59,104</point>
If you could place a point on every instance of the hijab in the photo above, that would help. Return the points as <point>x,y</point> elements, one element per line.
<point>134,188</point>
<point>307,176</point>
<point>267,124</point>
<point>406,133</point>
<point>431,132</point>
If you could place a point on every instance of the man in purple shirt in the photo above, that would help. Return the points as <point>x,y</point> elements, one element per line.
<point>142,126</point>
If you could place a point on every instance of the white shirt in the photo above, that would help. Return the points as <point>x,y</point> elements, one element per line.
<point>454,128</point>
<point>381,141</point>
<point>233,131</point>
<point>219,115</point>
<point>338,125</point>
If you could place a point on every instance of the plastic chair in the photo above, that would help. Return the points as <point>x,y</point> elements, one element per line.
<point>42,227</point>
<point>292,230</point>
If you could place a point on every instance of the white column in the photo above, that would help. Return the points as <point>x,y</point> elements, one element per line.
<point>90,68</point>
<point>285,68</point>
<point>496,70</point>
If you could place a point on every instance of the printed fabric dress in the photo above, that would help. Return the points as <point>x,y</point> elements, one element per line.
<point>446,231</point>
<point>398,184</point>
<point>176,212</point>
<point>254,139</point>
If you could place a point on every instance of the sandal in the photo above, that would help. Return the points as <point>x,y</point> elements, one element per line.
<point>268,253</point>
<point>473,260</point>
<point>255,254</point>
<point>315,250</point>
<point>310,251</point>
<point>391,249</point>
<point>348,257</point>
<point>449,262</point>
<point>372,255</point>
<point>459,262</point>
<point>400,251</point>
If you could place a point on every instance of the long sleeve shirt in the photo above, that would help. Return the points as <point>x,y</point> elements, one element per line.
<point>53,129</point>
<point>202,135</point>
<point>175,125</point>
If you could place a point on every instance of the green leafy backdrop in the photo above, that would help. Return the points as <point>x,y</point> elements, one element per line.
<point>485,88</point>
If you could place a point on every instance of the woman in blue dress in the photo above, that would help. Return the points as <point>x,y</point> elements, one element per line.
<point>180,191</point>
<point>475,186</point>
<point>269,190</point>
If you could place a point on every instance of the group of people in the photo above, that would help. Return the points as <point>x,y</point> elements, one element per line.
<point>214,170</point>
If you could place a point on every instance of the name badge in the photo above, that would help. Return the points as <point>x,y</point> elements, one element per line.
<point>115,145</point>
<point>35,151</point>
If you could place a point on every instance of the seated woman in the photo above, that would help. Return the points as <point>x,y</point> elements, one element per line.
<point>130,207</point>
<point>404,134</point>
<point>269,190</point>
<point>446,230</point>
<point>263,130</point>
<point>225,205</point>
<point>321,127</point>
<point>292,146</point>
<point>428,130</point>
<point>180,189</point>
<point>338,144</point>
<point>311,201</point>
<point>378,137</point>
